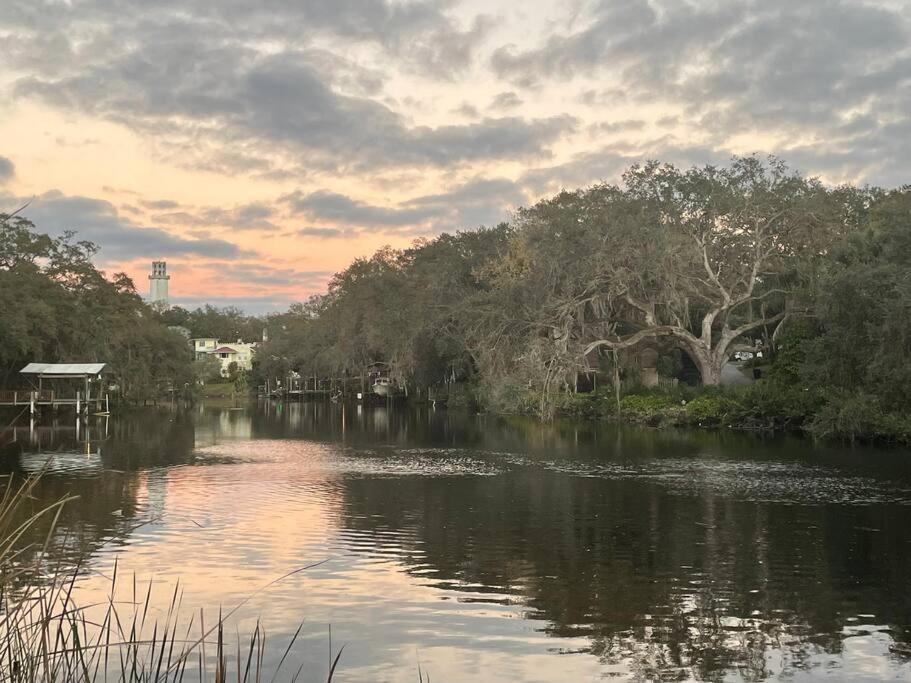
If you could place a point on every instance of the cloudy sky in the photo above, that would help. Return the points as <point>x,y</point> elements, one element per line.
<point>259,146</point>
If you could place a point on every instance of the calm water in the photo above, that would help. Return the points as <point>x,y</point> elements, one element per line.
<point>486,549</point>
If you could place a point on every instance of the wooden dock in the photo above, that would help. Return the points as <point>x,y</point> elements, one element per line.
<point>82,399</point>
<point>48,397</point>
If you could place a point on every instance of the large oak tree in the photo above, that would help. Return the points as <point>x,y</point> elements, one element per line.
<point>708,256</point>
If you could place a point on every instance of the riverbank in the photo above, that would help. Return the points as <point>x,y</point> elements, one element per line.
<point>821,412</point>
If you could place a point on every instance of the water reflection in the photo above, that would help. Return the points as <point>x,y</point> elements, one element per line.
<point>504,549</point>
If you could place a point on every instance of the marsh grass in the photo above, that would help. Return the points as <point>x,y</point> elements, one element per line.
<point>45,636</point>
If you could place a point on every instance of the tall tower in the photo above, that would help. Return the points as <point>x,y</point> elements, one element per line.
<point>158,284</point>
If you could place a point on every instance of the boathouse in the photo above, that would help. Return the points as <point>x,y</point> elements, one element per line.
<point>59,384</point>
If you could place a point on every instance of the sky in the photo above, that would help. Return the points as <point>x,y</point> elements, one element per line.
<point>259,147</point>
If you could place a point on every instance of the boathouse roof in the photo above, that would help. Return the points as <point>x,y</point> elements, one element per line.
<point>52,370</point>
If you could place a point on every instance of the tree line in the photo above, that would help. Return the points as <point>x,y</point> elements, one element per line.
<point>56,306</point>
<point>692,264</point>
<point>696,264</point>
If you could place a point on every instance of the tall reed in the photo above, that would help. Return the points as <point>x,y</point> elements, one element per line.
<point>47,637</point>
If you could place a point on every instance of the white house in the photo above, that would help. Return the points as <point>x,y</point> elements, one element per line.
<point>238,352</point>
<point>202,346</point>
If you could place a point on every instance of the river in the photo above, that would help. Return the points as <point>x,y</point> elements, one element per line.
<point>479,548</point>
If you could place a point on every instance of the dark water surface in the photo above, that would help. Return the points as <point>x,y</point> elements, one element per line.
<point>488,549</point>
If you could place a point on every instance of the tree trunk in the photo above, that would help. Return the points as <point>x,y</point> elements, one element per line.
<point>708,361</point>
<point>710,370</point>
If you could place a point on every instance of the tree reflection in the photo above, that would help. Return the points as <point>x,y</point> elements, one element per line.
<point>669,586</point>
<point>109,472</point>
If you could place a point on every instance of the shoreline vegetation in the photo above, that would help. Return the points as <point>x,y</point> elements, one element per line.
<point>47,635</point>
<point>757,409</point>
<point>622,301</point>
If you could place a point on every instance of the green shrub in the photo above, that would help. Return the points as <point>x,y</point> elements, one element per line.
<point>711,410</point>
<point>653,409</point>
<point>644,404</point>
<point>776,406</point>
<point>854,416</point>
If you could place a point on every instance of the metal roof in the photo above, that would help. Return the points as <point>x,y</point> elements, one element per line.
<point>63,369</point>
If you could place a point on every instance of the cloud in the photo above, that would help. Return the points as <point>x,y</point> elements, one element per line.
<point>119,239</point>
<point>612,127</point>
<point>778,54</point>
<point>255,286</point>
<point>251,305</point>
<point>159,204</point>
<point>251,216</point>
<point>324,233</point>
<point>608,163</point>
<point>276,103</point>
<point>7,170</point>
<point>446,52</point>
<point>261,274</point>
<point>335,207</point>
<point>505,100</point>
<point>480,201</point>
<point>797,72</point>
<point>395,26</point>
<point>254,101</point>
<point>467,110</point>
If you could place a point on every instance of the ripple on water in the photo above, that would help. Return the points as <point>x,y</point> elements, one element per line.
<point>753,481</point>
<point>70,463</point>
<point>491,571</point>
<point>747,480</point>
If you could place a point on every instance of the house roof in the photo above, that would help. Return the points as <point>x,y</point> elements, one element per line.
<point>225,349</point>
<point>63,369</point>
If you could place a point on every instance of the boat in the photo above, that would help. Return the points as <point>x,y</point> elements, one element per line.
<point>382,386</point>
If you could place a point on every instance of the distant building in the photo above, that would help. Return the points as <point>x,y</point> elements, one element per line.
<point>158,285</point>
<point>238,352</point>
<point>202,346</point>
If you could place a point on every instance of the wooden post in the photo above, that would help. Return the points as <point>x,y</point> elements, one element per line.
<point>31,403</point>
<point>78,403</point>
<point>617,380</point>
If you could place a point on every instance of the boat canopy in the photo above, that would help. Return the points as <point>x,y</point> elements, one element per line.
<point>63,370</point>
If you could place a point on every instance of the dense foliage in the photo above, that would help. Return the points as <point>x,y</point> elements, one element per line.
<point>227,324</point>
<point>55,306</point>
<point>692,265</point>
<point>696,264</point>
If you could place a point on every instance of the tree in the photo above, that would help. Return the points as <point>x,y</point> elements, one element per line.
<point>56,306</point>
<point>862,306</point>
<point>207,369</point>
<point>227,324</point>
<point>707,256</point>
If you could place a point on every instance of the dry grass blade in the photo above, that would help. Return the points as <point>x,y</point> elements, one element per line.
<point>46,637</point>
